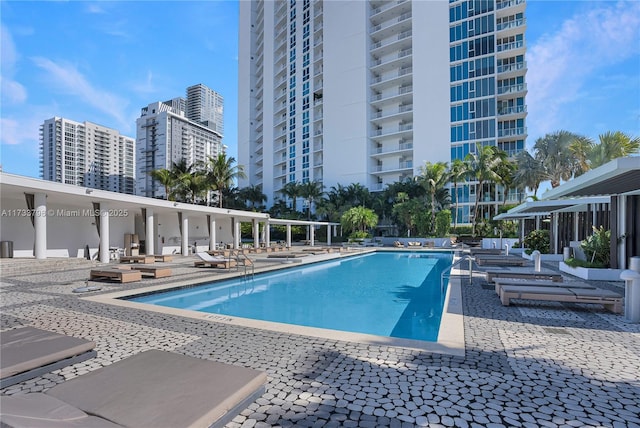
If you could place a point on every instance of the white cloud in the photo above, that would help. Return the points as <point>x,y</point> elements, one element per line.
<point>12,91</point>
<point>147,86</point>
<point>561,64</point>
<point>66,79</point>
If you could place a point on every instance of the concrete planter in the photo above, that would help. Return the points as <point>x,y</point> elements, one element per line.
<point>544,257</point>
<point>592,273</point>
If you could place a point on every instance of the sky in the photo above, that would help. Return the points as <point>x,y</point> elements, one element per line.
<point>103,61</point>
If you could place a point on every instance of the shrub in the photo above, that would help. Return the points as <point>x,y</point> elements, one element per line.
<point>597,247</point>
<point>582,263</point>
<point>537,240</point>
<point>443,223</point>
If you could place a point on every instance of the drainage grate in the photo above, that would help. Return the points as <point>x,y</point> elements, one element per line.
<point>555,330</point>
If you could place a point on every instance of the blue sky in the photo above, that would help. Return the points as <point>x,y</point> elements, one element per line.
<point>103,61</point>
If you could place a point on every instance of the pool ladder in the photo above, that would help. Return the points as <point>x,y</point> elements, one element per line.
<point>447,273</point>
<point>242,258</point>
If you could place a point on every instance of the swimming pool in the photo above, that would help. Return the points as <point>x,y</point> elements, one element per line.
<point>394,294</point>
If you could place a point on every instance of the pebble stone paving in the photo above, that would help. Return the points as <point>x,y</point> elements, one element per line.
<point>526,365</point>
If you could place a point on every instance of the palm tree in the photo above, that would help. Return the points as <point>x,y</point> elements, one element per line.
<point>434,177</point>
<point>506,171</point>
<point>613,145</point>
<point>580,149</point>
<point>357,194</point>
<point>530,172</point>
<point>311,191</point>
<point>253,194</point>
<point>291,190</point>
<point>457,173</point>
<point>359,218</point>
<point>554,153</point>
<point>181,174</point>
<point>164,177</point>
<point>482,166</point>
<point>221,174</point>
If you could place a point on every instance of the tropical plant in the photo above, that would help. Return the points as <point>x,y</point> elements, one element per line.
<point>553,151</point>
<point>530,172</point>
<point>537,240</point>
<point>185,186</point>
<point>613,145</point>
<point>359,219</point>
<point>164,177</point>
<point>506,172</point>
<point>457,173</point>
<point>443,223</point>
<point>597,247</point>
<point>254,196</point>
<point>482,166</point>
<point>311,191</point>
<point>221,173</point>
<point>434,177</point>
<point>291,190</point>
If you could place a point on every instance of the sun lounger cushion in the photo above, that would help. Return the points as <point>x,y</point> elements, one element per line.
<point>43,411</point>
<point>163,389</point>
<point>28,352</point>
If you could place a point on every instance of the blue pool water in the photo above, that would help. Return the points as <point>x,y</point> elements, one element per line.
<point>385,294</point>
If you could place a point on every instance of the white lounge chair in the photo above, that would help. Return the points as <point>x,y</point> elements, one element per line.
<point>207,259</point>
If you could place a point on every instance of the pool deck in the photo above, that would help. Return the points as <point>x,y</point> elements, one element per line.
<point>531,364</point>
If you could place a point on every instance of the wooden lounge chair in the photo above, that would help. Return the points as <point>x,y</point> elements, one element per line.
<point>500,282</point>
<point>138,259</point>
<point>153,271</point>
<point>150,389</point>
<point>485,251</point>
<point>119,275</point>
<point>610,300</point>
<point>163,257</point>
<point>523,273</point>
<point>28,352</point>
<point>214,261</point>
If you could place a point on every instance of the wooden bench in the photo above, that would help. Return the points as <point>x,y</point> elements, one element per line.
<point>138,259</point>
<point>610,300</point>
<point>501,261</point>
<point>163,257</point>
<point>154,271</point>
<point>119,275</point>
<point>526,273</point>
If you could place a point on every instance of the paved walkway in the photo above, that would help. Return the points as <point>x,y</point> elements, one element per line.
<point>535,364</point>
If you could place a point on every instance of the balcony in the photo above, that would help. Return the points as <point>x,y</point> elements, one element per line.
<point>400,147</point>
<point>511,25</point>
<point>512,89</point>
<point>392,26</point>
<point>515,110</point>
<point>512,132</point>
<point>512,68</point>
<point>509,47</point>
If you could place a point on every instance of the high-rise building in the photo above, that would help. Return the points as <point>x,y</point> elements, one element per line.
<point>206,107</point>
<point>86,154</point>
<point>165,136</point>
<point>367,92</point>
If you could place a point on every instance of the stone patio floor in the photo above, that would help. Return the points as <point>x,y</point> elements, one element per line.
<point>530,364</point>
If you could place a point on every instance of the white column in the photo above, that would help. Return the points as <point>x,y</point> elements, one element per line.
<point>104,233</point>
<point>329,228</point>
<point>554,225</point>
<point>40,225</point>
<point>236,235</point>
<point>312,234</point>
<point>256,233</point>
<point>185,234</point>
<point>212,233</point>
<point>151,236</point>
<point>267,234</point>
<point>288,235</point>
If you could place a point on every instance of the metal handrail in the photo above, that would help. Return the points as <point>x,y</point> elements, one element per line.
<point>246,263</point>
<point>466,257</point>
